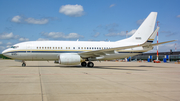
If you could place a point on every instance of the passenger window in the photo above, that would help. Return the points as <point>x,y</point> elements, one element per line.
<point>37,47</point>
<point>81,47</point>
<point>56,47</point>
<point>78,47</point>
<point>84,47</point>
<point>49,47</point>
<point>42,47</point>
<point>61,47</point>
<point>73,47</point>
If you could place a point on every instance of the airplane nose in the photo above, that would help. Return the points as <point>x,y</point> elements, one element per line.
<point>4,52</point>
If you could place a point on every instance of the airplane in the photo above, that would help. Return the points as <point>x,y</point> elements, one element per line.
<point>84,52</point>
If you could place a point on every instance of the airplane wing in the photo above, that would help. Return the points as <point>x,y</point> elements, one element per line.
<point>97,53</point>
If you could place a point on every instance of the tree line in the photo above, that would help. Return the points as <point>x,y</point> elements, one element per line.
<point>4,57</point>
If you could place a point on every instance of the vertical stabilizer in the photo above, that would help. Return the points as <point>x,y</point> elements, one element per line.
<point>146,29</point>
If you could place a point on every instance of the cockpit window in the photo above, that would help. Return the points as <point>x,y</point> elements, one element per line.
<point>14,47</point>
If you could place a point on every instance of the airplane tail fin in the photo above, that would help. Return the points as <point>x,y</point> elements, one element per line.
<point>145,31</point>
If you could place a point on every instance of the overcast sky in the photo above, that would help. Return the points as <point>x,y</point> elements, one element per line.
<point>86,20</point>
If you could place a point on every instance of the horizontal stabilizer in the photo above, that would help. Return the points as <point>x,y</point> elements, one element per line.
<point>155,44</point>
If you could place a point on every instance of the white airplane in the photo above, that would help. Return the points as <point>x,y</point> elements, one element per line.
<point>76,52</point>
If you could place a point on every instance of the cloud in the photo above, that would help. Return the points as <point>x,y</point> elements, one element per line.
<point>2,47</point>
<point>23,39</point>
<point>20,19</point>
<point>96,35</point>
<point>112,5</point>
<point>9,43</point>
<point>178,16</point>
<point>36,21</point>
<point>1,43</point>
<point>166,47</point>
<point>116,34</point>
<point>139,22</point>
<point>169,33</point>
<point>8,36</point>
<point>122,33</point>
<point>16,19</point>
<point>42,39</point>
<point>61,35</point>
<point>131,32</point>
<point>111,25</point>
<point>72,10</point>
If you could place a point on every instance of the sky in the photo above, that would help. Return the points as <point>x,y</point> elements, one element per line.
<point>85,20</point>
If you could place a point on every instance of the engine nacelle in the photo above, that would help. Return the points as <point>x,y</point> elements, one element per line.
<point>69,59</point>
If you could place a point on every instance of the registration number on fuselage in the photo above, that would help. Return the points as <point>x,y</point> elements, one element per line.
<point>13,53</point>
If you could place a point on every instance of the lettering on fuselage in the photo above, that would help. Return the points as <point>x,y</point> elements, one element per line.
<point>138,38</point>
<point>13,53</point>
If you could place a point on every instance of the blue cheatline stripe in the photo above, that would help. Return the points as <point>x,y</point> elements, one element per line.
<point>130,52</point>
<point>45,52</point>
<point>149,41</point>
<point>58,52</point>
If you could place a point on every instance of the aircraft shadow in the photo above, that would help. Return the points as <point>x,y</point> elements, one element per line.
<point>99,67</point>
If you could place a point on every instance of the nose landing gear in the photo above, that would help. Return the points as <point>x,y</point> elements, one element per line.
<point>23,64</point>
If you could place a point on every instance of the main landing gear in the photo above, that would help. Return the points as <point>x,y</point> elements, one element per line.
<point>90,64</point>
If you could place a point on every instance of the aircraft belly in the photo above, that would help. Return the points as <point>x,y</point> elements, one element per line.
<point>37,56</point>
<point>119,56</point>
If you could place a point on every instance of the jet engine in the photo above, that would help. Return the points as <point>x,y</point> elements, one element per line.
<point>69,59</point>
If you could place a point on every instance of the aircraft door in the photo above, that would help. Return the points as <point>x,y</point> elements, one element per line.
<point>28,51</point>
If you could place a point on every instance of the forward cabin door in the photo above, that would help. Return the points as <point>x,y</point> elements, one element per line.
<point>28,55</point>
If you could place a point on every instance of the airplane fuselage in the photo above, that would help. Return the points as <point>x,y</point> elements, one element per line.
<point>50,50</point>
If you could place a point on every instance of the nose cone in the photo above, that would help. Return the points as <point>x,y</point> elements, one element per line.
<point>5,52</point>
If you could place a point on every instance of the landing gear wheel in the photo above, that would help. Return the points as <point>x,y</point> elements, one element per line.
<point>23,65</point>
<point>83,64</point>
<point>90,64</point>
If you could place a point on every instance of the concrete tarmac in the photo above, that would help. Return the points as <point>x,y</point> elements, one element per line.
<point>107,81</point>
